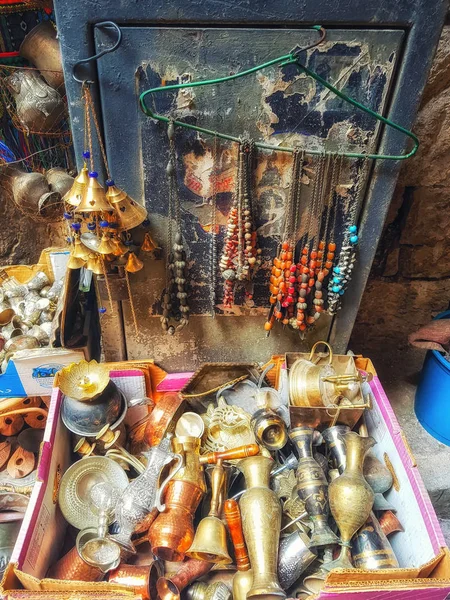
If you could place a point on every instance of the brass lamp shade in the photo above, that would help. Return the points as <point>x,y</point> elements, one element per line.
<point>75,263</point>
<point>79,250</point>
<point>130,213</point>
<point>210,542</point>
<point>78,189</point>
<point>106,245</point>
<point>94,264</point>
<point>94,199</point>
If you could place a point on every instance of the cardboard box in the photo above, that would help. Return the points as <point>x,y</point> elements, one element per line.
<point>421,549</point>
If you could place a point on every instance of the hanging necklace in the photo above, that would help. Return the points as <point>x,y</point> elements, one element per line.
<point>283,289</point>
<point>326,248</point>
<point>213,257</point>
<point>175,304</point>
<point>342,272</point>
<point>240,256</point>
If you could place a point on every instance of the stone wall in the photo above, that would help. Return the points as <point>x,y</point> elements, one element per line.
<point>410,278</point>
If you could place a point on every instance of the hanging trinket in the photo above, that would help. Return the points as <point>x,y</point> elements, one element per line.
<point>283,280</point>
<point>241,256</point>
<point>342,272</point>
<point>175,298</point>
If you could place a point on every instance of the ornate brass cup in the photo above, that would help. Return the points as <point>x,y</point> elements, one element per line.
<point>170,588</point>
<point>172,533</point>
<point>41,47</point>
<point>243,578</point>
<point>307,385</point>
<point>371,549</point>
<point>214,591</point>
<point>312,488</point>
<point>351,497</point>
<point>294,557</point>
<point>336,445</point>
<point>261,523</point>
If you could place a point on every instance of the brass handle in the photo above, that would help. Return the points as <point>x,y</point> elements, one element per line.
<point>232,454</point>
<point>313,351</point>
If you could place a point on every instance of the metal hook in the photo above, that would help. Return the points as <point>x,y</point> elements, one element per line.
<point>323,34</point>
<point>91,59</point>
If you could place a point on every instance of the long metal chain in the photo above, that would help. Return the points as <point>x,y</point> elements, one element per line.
<point>298,193</point>
<point>336,204</point>
<point>214,175</point>
<point>98,131</point>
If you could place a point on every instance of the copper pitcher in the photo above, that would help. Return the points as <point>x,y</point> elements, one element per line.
<point>31,193</point>
<point>39,107</point>
<point>172,533</point>
<point>41,47</point>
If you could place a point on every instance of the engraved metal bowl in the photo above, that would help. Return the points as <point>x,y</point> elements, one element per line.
<point>74,491</point>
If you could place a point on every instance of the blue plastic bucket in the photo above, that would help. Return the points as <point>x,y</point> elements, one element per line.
<point>432,403</point>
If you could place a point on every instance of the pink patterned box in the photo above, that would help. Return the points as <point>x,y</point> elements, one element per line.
<point>421,549</point>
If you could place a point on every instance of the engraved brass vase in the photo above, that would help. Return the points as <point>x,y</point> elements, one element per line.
<point>41,47</point>
<point>351,497</point>
<point>312,488</point>
<point>261,523</point>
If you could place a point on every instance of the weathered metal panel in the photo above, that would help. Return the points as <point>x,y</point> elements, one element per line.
<point>242,337</point>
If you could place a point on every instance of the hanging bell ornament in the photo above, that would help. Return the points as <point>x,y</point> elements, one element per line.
<point>130,213</point>
<point>113,193</point>
<point>79,186</point>
<point>94,264</point>
<point>120,248</point>
<point>148,245</point>
<point>75,263</point>
<point>106,245</point>
<point>134,264</point>
<point>94,199</point>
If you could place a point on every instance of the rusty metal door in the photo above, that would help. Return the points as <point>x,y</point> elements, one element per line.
<point>277,105</point>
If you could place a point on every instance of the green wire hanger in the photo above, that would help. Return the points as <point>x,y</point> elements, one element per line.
<point>287,59</point>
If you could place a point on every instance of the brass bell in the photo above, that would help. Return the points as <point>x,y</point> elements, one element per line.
<point>75,263</point>
<point>210,541</point>
<point>78,189</point>
<point>148,245</point>
<point>106,245</point>
<point>130,213</point>
<point>94,199</point>
<point>80,250</point>
<point>94,264</point>
<point>120,248</point>
<point>134,264</point>
<point>113,193</point>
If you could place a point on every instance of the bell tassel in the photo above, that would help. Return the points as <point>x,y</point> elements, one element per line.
<point>94,199</point>
<point>78,189</point>
<point>148,245</point>
<point>134,264</point>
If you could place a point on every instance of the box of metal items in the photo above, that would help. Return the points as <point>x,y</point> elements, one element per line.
<point>335,511</point>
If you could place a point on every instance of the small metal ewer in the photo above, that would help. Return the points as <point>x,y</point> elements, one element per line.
<point>27,190</point>
<point>100,553</point>
<point>39,107</point>
<point>41,47</point>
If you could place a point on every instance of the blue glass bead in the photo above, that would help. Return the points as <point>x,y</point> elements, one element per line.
<point>91,226</point>
<point>110,182</point>
<point>104,224</point>
<point>68,239</point>
<point>146,222</point>
<point>336,270</point>
<point>341,292</point>
<point>102,310</point>
<point>353,229</point>
<point>86,154</point>
<point>336,279</point>
<point>76,226</point>
<point>336,288</point>
<point>93,174</point>
<point>353,239</point>
<point>68,216</point>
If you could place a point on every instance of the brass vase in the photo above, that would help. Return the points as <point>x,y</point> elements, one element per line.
<point>371,549</point>
<point>31,192</point>
<point>261,523</point>
<point>312,488</point>
<point>351,497</point>
<point>172,533</point>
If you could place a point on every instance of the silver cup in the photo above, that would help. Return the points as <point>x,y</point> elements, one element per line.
<point>39,281</point>
<point>11,330</point>
<point>55,291</point>
<point>40,334</point>
<point>47,327</point>
<point>46,316</point>
<point>17,291</point>
<point>45,291</point>
<point>18,305</point>
<point>294,557</point>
